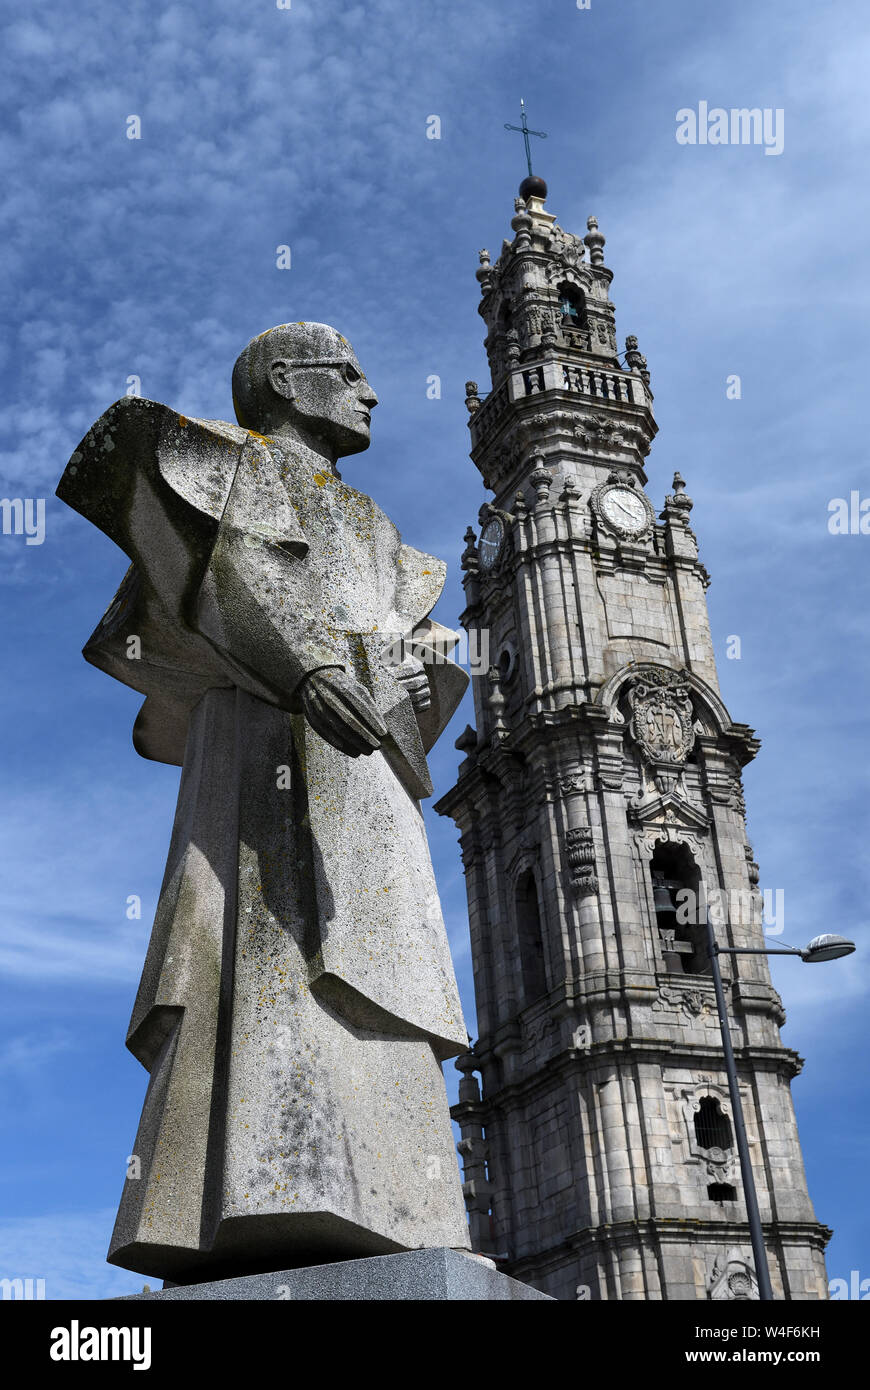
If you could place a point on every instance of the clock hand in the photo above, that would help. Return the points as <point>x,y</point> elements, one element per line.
<point>625,512</point>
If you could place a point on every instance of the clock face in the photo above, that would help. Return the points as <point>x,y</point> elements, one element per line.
<point>625,510</point>
<point>491,538</point>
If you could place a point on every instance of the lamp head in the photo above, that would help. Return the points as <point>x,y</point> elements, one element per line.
<point>828,946</point>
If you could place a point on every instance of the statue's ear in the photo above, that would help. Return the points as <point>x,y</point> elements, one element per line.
<point>280,377</point>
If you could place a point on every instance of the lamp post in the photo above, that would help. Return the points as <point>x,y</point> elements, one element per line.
<point>821,948</point>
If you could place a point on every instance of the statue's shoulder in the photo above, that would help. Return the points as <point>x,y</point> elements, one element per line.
<point>198,459</point>
<point>179,456</point>
<point>420,582</point>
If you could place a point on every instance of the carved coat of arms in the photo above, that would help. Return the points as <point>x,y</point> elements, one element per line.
<point>661,720</point>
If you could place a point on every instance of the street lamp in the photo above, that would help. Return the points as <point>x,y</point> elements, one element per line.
<point>825,947</point>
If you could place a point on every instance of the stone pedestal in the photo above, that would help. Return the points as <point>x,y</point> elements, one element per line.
<point>415,1275</point>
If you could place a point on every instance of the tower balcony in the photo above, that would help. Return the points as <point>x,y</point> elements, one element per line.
<point>586,382</point>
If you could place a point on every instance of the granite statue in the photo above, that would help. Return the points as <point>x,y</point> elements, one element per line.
<point>298,997</point>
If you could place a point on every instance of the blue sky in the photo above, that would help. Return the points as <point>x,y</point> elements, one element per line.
<point>157,258</point>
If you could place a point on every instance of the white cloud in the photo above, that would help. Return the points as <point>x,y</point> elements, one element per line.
<point>23,1056</point>
<point>68,1251</point>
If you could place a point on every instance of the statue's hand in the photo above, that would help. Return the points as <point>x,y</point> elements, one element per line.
<point>341,710</point>
<point>412,674</point>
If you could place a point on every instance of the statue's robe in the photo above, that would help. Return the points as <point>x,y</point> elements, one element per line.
<point>298,995</point>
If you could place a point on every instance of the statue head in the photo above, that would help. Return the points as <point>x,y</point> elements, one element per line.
<point>304,379</point>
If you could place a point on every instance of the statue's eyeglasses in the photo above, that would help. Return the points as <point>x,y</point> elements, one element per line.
<point>350,373</point>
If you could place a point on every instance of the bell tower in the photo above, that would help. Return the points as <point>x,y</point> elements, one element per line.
<point>601,813</point>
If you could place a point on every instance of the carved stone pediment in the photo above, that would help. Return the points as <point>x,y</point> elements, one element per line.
<point>668,810</point>
<point>649,836</point>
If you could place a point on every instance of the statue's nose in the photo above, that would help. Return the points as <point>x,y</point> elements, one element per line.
<point>368,397</point>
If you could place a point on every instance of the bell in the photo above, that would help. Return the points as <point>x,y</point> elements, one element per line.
<point>662,898</point>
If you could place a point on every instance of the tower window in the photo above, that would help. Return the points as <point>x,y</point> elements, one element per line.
<point>683,936</point>
<point>507,663</point>
<point>721,1192</point>
<point>530,940</point>
<point>712,1126</point>
<point>572,307</point>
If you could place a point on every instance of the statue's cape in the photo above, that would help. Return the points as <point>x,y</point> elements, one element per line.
<point>251,568</point>
<point>164,486</point>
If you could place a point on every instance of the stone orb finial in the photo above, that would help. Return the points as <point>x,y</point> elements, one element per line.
<point>533,187</point>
